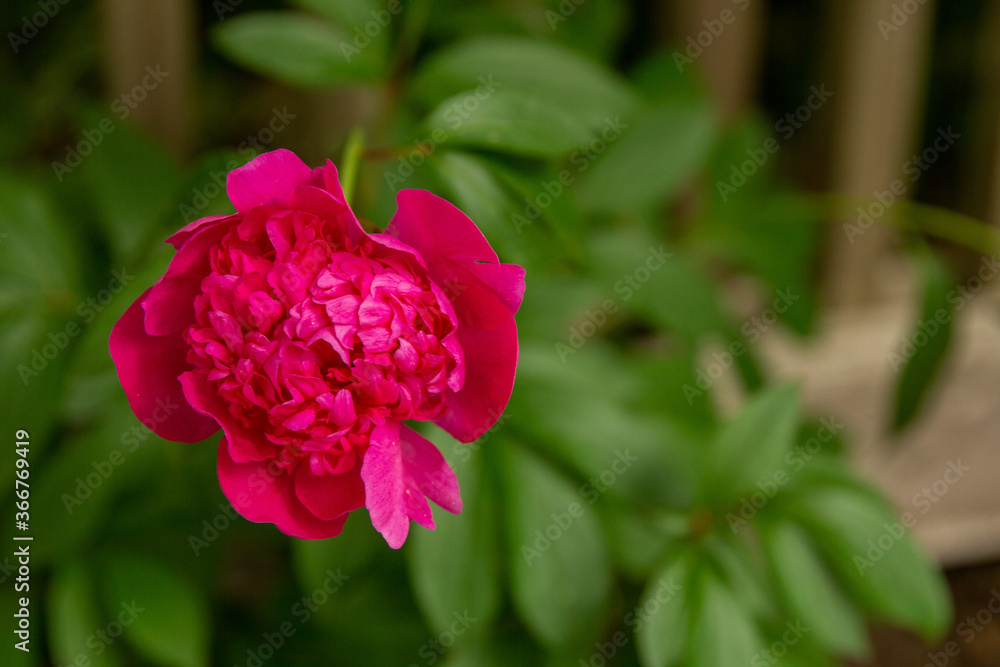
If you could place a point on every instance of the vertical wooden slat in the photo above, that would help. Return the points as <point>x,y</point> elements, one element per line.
<point>878,115</point>
<point>145,34</point>
<point>730,62</point>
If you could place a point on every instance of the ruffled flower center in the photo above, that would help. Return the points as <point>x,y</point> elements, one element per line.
<point>315,340</point>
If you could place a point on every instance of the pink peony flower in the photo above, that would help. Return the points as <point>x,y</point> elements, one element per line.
<point>310,342</point>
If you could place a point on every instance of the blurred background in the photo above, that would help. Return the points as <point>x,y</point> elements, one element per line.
<point>755,418</point>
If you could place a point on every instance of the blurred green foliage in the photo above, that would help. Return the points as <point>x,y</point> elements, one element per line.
<point>612,516</point>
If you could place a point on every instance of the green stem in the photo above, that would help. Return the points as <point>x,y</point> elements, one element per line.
<point>957,228</point>
<point>351,160</point>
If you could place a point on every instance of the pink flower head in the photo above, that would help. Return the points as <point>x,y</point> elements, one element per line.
<point>310,342</point>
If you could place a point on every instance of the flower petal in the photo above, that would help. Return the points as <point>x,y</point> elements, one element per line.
<point>180,238</point>
<point>398,470</point>
<point>245,444</point>
<point>329,496</point>
<point>506,281</point>
<point>329,178</point>
<point>169,307</point>
<point>262,492</point>
<point>268,176</point>
<point>490,364</point>
<point>427,468</point>
<point>148,367</point>
<point>437,229</point>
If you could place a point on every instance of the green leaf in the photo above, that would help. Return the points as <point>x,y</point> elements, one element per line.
<point>667,288</point>
<point>738,144</point>
<point>663,622</point>
<point>33,365</point>
<point>811,593</point>
<point>349,13</point>
<point>656,154</point>
<point>749,448</point>
<point>724,634</point>
<point>777,237</point>
<point>743,570</point>
<point>658,78</point>
<point>76,487</point>
<point>74,618</point>
<point>89,389</point>
<point>543,198</point>
<point>921,362</point>
<point>33,236</point>
<point>353,553</point>
<point>638,542</point>
<point>873,555</point>
<point>594,27</point>
<point>559,568</point>
<point>134,186</point>
<point>476,191</point>
<point>593,94</point>
<point>571,411</point>
<point>508,121</point>
<point>297,49</point>
<point>165,616</point>
<point>456,568</point>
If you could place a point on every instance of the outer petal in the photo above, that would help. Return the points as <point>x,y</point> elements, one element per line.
<point>186,233</point>
<point>485,295</point>
<point>399,469</point>
<point>268,176</point>
<point>148,367</point>
<point>245,445</point>
<point>490,365</point>
<point>426,467</point>
<point>264,493</point>
<point>437,229</point>
<point>170,304</point>
<point>328,178</point>
<point>453,246</point>
<point>329,496</point>
<point>506,281</point>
